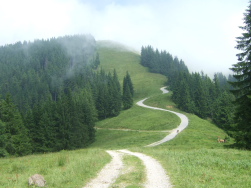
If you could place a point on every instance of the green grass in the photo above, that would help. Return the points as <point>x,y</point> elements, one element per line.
<point>61,170</point>
<point>139,118</point>
<point>145,84</point>
<point>195,158</point>
<point>204,167</point>
<point>199,134</point>
<point>111,139</point>
<point>133,175</point>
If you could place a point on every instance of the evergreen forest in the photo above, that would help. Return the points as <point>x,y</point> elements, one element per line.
<point>52,93</point>
<point>194,92</point>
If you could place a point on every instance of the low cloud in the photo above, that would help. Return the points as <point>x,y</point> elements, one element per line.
<point>202,33</point>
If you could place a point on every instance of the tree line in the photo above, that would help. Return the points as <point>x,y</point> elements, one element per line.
<point>198,94</point>
<point>194,92</point>
<point>161,62</point>
<point>52,95</point>
<point>242,85</point>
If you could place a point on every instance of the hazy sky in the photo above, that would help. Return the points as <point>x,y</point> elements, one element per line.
<point>201,32</point>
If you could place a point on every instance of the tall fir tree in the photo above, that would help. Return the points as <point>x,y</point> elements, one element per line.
<point>128,92</point>
<point>242,85</point>
<point>128,81</point>
<point>3,140</point>
<point>17,140</point>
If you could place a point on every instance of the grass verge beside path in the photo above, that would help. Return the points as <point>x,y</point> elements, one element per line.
<point>204,167</point>
<point>61,170</point>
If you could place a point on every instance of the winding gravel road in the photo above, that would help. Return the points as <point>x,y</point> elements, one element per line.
<point>181,127</point>
<point>155,173</point>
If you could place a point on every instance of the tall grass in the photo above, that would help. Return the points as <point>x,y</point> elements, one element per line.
<point>61,170</point>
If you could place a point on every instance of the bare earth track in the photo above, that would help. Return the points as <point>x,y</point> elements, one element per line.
<point>155,173</point>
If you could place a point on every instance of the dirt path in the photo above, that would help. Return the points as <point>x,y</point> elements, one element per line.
<point>145,131</point>
<point>109,173</point>
<point>155,173</point>
<point>181,127</point>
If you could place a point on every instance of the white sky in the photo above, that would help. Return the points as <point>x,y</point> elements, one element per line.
<point>200,32</point>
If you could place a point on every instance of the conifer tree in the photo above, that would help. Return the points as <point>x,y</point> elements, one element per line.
<point>96,62</point>
<point>128,81</point>
<point>3,140</point>
<point>17,141</point>
<point>128,92</point>
<point>242,85</point>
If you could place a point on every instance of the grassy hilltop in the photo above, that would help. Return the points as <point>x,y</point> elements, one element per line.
<point>193,159</point>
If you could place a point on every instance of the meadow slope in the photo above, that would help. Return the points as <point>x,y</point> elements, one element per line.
<point>194,158</point>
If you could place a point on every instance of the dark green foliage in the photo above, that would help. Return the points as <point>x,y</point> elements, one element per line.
<point>223,112</point>
<point>14,138</point>
<point>194,93</point>
<point>35,72</point>
<point>3,140</point>
<point>107,95</point>
<point>96,62</point>
<point>128,92</point>
<point>68,123</point>
<point>242,85</point>
<point>198,94</point>
<point>161,62</point>
<point>58,93</point>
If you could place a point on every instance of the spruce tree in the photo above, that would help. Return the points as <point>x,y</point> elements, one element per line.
<point>127,92</point>
<point>3,140</point>
<point>242,85</point>
<point>128,81</point>
<point>17,140</point>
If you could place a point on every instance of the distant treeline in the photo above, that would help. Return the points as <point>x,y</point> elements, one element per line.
<point>52,95</point>
<point>193,92</point>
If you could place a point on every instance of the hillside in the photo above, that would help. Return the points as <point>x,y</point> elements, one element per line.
<point>116,56</point>
<point>188,156</point>
<point>193,159</point>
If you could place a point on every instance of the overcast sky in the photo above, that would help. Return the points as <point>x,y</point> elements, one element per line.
<point>200,32</point>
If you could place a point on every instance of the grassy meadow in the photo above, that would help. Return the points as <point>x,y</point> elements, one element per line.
<point>193,159</point>
<point>132,119</point>
<point>61,169</point>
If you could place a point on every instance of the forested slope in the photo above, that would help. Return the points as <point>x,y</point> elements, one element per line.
<point>193,92</point>
<point>53,90</point>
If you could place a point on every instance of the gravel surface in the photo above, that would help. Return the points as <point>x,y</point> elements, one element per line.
<point>155,173</point>
<point>174,132</point>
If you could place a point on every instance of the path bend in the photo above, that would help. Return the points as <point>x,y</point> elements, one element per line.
<point>156,174</point>
<point>174,133</point>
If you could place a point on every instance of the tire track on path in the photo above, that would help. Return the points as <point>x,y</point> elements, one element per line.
<point>109,173</point>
